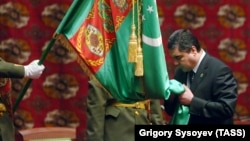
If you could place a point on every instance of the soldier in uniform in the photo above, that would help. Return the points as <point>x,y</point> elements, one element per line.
<point>110,120</point>
<point>10,70</point>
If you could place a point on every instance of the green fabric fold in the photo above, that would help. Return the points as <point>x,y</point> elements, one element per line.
<point>181,113</point>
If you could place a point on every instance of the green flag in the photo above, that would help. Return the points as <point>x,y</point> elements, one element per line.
<point>99,32</point>
<point>156,76</point>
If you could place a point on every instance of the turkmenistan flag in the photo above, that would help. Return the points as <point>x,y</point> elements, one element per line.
<point>99,31</point>
<point>156,77</point>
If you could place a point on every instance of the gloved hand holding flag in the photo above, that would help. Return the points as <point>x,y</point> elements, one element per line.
<point>33,70</point>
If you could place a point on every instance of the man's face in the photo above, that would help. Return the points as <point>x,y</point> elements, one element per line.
<point>185,60</point>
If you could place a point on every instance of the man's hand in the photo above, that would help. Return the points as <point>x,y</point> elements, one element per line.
<point>186,97</point>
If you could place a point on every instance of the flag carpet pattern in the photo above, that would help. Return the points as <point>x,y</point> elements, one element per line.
<point>58,98</point>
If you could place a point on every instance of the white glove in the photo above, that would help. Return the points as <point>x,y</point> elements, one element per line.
<point>33,70</point>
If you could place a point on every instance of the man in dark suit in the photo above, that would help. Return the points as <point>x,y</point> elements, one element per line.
<point>213,89</point>
<point>10,70</point>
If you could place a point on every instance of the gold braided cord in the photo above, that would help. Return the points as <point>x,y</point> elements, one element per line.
<point>132,47</point>
<point>139,55</point>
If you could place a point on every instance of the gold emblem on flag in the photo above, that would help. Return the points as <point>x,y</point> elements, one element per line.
<point>94,40</point>
<point>122,4</point>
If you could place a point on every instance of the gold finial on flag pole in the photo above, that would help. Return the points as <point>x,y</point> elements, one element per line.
<point>132,50</point>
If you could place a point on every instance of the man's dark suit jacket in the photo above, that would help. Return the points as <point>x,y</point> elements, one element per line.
<point>215,93</point>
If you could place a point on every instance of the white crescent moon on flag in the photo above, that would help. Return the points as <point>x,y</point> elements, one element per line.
<point>154,42</point>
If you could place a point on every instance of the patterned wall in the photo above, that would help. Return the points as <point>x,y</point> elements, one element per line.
<point>58,98</point>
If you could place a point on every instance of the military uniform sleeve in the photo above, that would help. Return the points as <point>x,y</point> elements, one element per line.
<point>96,103</point>
<point>156,112</point>
<point>10,70</point>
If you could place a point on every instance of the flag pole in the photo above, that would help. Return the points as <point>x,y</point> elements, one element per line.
<point>87,4</point>
<point>26,86</point>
